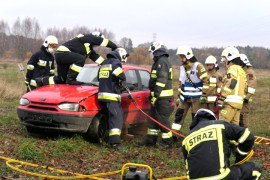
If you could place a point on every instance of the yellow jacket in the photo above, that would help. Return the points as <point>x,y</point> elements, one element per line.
<point>251,82</point>
<point>214,85</point>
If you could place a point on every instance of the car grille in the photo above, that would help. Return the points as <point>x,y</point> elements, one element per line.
<point>43,106</point>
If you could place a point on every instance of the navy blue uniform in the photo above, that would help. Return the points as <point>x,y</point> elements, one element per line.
<point>110,75</point>
<point>41,64</point>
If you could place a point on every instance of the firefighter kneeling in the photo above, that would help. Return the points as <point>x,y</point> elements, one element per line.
<point>206,149</point>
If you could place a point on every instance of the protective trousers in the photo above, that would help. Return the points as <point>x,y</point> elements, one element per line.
<point>210,106</point>
<point>69,65</point>
<point>115,115</point>
<point>244,121</point>
<point>230,114</point>
<point>246,171</point>
<point>161,112</point>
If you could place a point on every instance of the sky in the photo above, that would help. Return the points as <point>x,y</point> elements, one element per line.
<point>197,23</point>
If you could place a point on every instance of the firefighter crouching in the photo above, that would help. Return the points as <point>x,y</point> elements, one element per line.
<point>110,76</point>
<point>41,63</point>
<point>214,84</point>
<point>234,86</point>
<point>160,85</point>
<point>192,86</point>
<point>252,84</point>
<point>206,149</point>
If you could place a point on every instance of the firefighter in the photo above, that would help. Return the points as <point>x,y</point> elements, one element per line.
<point>206,149</point>
<point>70,57</point>
<point>41,63</point>
<point>214,84</point>
<point>160,85</point>
<point>111,76</point>
<point>234,86</point>
<point>192,86</point>
<point>252,84</point>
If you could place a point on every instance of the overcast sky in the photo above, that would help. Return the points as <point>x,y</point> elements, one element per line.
<point>198,23</point>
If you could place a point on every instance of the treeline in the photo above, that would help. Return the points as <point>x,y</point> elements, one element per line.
<point>25,37</point>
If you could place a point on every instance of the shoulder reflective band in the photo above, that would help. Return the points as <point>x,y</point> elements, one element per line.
<point>51,80</point>
<point>115,131</point>
<point>117,71</point>
<point>42,63</point>
<point>166,135</point>
<point>79,35</point>
<point>87,48</point>
<point>203,75</point>
<point>244,136</point>
<point>76,68</point>
<point>153,132</point>
<point>99,60</point>
<point>30,67</point>
<point>154,74</point>
<point>63,48</point>
<point>109,96</point>
<point>104,42</point>
<point>33,83</point>
<point>160,84</point>
<point>251,90</point>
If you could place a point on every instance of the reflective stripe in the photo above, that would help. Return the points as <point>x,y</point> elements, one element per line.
<point>213,85</point>
<point>170,70</point>
<point>211,98</point>
<point>76,68</point>
<point>154,74</point>
<point>104,42</point>
<point>227,89</point>
<point>79,35</point>
<point>33,83</point>
<point>179,89</point>
<point>30,66</point>
<point>234,98</point>
<point>205,87</point>
<point>160,84</point>
<point>153,132</point>
<point>117,71</point>
<point>109,96</point>
<point>87,48</point>
<point>166,135</point>
<point>217,177</point>
<point>241,152</point>
<point>192,93</point>
<point>63,48</point>
<point>218,90</point>
<point>52,71</point>
<point>100,60</point>
<point>106,67</point>
<point>42,62</point>
<point>244,136</point>
<point>257,174</point>
<point>51,80</point>
<point>203,75</point>
<point>212,80</point>
<point>50,64</point>
<point>165,93</point>
<point>114,132</point>
<point>251,90</point>
<point>190,89</point>
<point>176,126</point>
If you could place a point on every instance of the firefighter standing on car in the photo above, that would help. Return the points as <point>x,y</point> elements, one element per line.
<point>252,84</point>
<point>192,86</point>
<point>160,85</point>
<point>234,86</point>
<point>214,84</point>
<point>207,154</point>
<point>111,77</point>
<point>41,63</point>
<point>71,55</point>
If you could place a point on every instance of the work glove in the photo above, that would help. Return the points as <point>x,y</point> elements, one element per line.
<point>27,82</point>
<point>203,99</point>
<point>220,104</point>
<point>153,101</point>
<point>245,100</point>
<point>177,102</point>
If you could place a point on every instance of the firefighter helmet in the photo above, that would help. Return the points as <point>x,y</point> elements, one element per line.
<point>50,40</point>
<point>245,60</point>
<point>229,53</point>
<point>210,60</point>
<point>123,54</point>
<point>98,34</point>
<point>186,51</point>
<point>155,46</point>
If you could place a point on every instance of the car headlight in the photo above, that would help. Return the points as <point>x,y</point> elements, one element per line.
<point>69,106</point>
<point>24,101</point>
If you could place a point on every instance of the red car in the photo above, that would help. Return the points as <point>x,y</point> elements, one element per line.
<point>75,108</point>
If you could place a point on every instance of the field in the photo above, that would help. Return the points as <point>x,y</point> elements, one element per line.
<point>74,153</point>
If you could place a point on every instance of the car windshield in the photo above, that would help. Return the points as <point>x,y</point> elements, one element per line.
<point>88,75</point>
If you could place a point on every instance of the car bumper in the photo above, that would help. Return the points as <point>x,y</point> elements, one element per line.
<point>53,121</point>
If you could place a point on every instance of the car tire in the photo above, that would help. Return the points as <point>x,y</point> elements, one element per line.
<point>98,130</point>
<point>31,129</point>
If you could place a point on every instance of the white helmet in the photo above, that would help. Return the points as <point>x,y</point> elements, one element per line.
<point>210,60</point>
<point>50,40</point>
<point>98,34</point>
<point>186,51</point>
<point>229,53</point>
<point>123,54</point>
<point>155,46</point>
<point>245,60</point>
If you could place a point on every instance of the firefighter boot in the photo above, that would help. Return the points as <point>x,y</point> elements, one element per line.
<point>71,78</point>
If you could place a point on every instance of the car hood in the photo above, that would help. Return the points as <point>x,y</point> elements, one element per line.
<point>55,94</point>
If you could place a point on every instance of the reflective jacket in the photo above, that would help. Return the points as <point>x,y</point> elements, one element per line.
<point>251,82</point>
<point>109,76</point>
<point>206,147</point>
<point>84,43</point>
<point>194,86</point>
<point>41,64</point>
<point>214,85</point>
<point>234,86</point>
<point>160,83</point>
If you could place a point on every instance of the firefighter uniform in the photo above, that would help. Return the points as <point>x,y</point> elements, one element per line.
<point>41,64</point>
<point>192,85</point>
<point>232,93</point>
<point>252,84</point>
<point>160,85</point>
<point>206,149</point>
<point>212,89</point>
<point>70,56</point>
<point>110,74</point>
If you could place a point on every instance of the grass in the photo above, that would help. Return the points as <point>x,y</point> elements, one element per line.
<point>74,153</point>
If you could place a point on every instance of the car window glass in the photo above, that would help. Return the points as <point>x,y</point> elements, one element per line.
<point>131,78</point>
<point>145,76</point>
<point>88,75</point>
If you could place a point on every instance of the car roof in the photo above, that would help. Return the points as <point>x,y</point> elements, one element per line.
<point>125,67</point>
